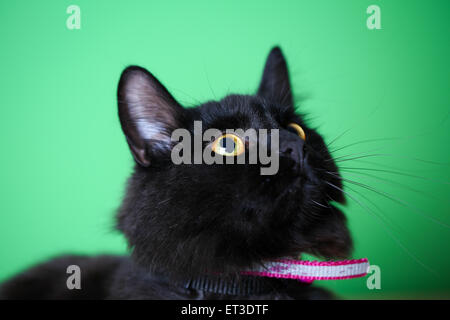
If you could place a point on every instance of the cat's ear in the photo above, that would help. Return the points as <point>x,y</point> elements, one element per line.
<point>275,85</point>
<point>148,114</point>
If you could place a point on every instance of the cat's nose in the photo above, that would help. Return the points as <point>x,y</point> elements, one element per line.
<point>292,147</point>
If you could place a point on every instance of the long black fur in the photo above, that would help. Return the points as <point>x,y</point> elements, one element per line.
<point>185,221</point>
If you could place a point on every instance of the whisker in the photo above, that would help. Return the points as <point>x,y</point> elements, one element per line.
<point>321,205</point>
<point>358,123</point>
<point>382,216</point>
<point>209,82</point>
<point>395,172</point>
<point>339,136</point>
<point>399,201</point>
<point>393,237</point>
<point>390,182</point>
<point>391,155</point>
<point>363,141</point>
<point>407,138</point>
<point>344,157</point>
<point>382,165</point>
<point>353,154</point>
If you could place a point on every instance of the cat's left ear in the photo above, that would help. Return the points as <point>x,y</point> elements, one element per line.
<point>275,85</point>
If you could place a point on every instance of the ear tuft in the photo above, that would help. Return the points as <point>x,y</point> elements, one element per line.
<point>148,113</point>
<point>275,85</point>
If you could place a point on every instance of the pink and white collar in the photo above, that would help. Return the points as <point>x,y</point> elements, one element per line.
<point>308,271</point>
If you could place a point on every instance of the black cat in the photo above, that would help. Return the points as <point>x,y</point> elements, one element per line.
<point>192,228</point>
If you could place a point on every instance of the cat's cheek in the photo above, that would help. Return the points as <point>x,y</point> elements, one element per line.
<point>331,238</point>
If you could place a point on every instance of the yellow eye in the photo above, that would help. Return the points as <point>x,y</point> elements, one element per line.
<point>298,130</point>
<point>228,145</point>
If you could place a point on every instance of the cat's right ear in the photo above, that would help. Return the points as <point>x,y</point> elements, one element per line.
<point>148,114</point>
<point>275,84</point>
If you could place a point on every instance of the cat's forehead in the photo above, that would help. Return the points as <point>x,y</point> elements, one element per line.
<point>238,111</point>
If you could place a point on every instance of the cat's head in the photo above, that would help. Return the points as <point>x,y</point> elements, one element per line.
<point>195,218</point>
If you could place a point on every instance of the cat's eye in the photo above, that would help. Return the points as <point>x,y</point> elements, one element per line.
<point>228,145</point>
<point>297,129</point>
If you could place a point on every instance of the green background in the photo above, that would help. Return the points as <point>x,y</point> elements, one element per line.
<point>64,160</point>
